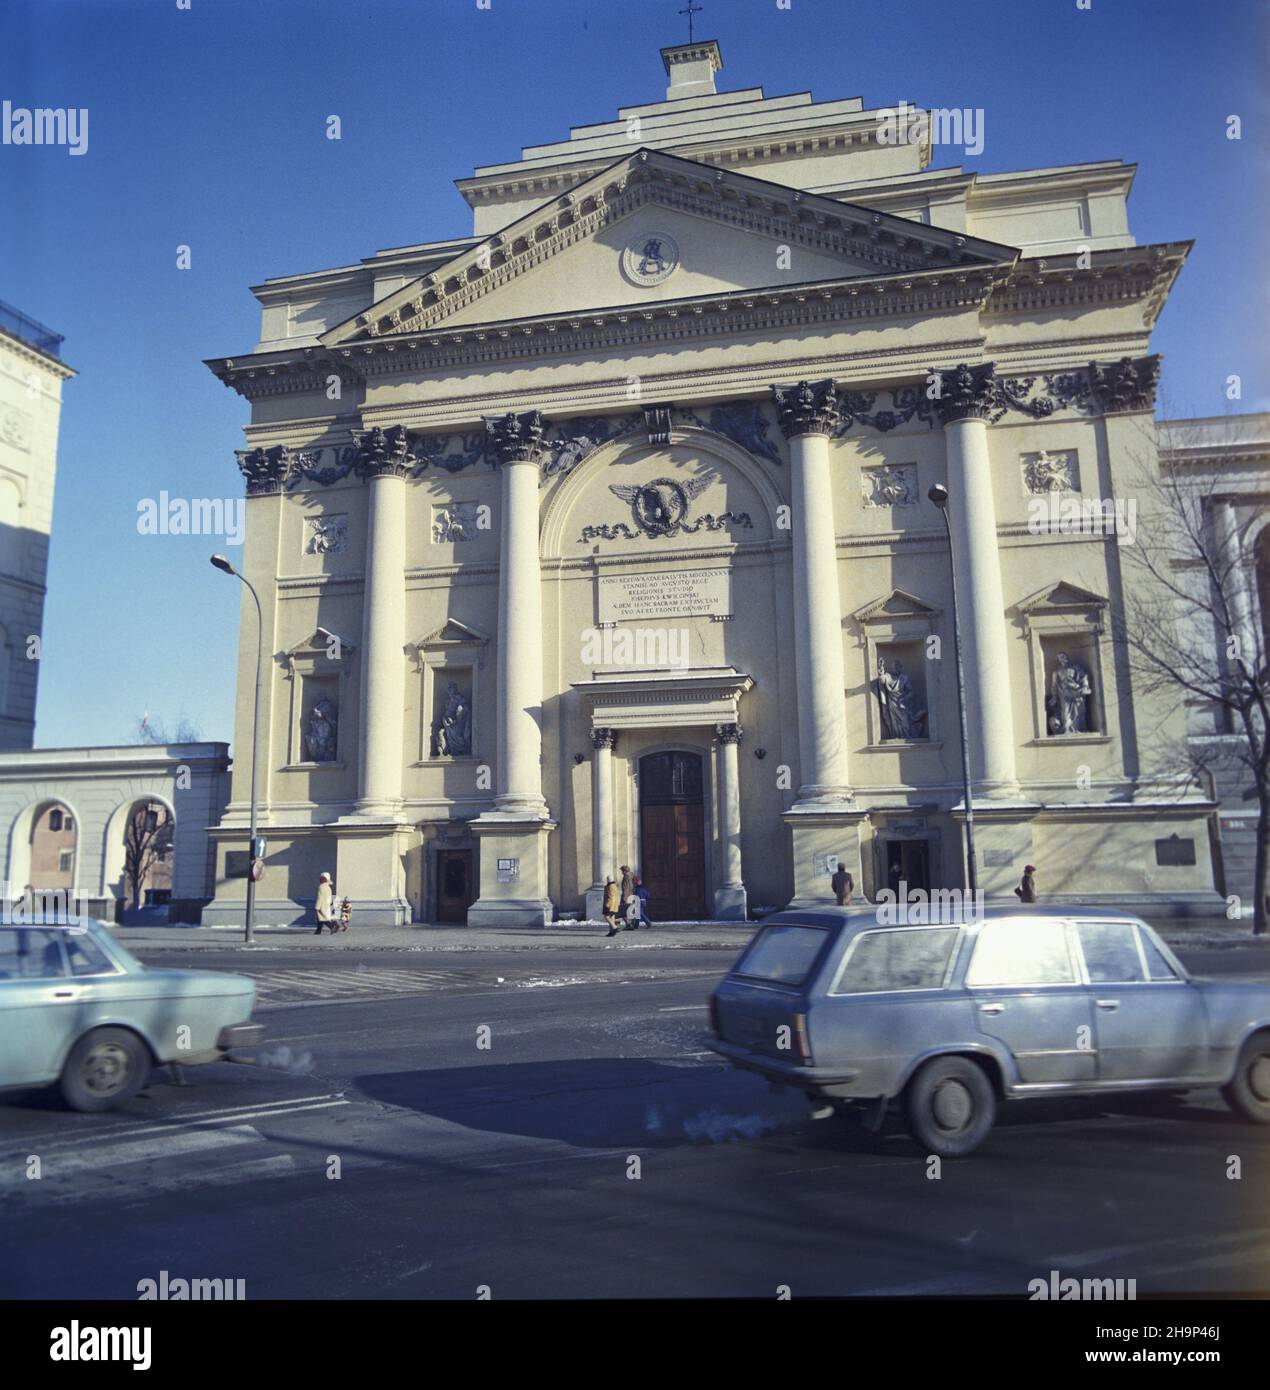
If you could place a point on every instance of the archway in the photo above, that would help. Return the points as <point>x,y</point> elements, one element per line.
<point>137,853</point>
<point>44,848</point>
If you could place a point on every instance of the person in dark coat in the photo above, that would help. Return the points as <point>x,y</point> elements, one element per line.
<point>1026,891</point>
<point>843,885</point>
<point>628,888</point>
<point>641,898</point>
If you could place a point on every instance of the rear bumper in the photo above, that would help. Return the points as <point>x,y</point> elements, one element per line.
<point>240,1035</point>
<point>828,1081</point>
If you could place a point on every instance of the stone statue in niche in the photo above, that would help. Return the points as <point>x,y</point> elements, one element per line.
<point>900,716</point>
<point>319,737</point>
<point>452,734</point>
<point>1067,708</point>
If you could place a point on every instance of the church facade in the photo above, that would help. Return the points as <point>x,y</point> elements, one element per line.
<point>602,537</point>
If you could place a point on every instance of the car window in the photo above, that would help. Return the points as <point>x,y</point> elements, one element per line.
<point>86,957</point>
<point>1111,952</point>
<point>783,954</point>
<point>901,959</point>
<point>1021,951</point>
<point>30,953</point>
<point>1157,967</point>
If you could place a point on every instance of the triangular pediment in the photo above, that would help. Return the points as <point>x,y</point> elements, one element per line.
<point>451,633</point>
<point>896,604</point>
<point>655,228</point>
<point>1061,598</point>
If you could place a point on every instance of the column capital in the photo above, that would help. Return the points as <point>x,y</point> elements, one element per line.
<point>516,438</point>
<point>266,470</point>
<point>967,393</point>
<point>808,408</point>
<point>1126,385</point>
<point>729,733</point>
<point>603,738</point>
<point>383,453</point>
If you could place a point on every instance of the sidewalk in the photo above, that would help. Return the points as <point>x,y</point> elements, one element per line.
<point>709,936</point>
<point>718,936</point>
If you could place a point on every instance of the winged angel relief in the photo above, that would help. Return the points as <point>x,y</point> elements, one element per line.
<point>660,508</point>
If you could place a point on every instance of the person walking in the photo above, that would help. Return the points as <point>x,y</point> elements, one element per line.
<point>612,901</point>
<point>324,908</point>
<point>346,914</point>
<point>641,896</point>
<point>843,885</point>
<point>628,888</point>
<point>1026,891</point>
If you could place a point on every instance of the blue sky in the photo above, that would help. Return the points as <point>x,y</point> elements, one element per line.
<point>206,128</point>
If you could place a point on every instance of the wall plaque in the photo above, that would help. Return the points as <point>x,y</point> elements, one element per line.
<point>665,594</point>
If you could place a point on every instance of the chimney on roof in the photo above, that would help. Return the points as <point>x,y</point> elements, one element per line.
<point>691,68</point>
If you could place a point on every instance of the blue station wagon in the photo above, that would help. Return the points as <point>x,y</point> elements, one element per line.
<point>80,1012</point>
<point>949,1019</point>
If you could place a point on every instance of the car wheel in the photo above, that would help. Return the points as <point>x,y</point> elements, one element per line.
<point>951,1106</point>
<point>1248,1091</point>
<point>106,1067</point>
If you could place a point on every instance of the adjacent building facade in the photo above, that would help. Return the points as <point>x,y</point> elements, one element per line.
<point>603,537</point>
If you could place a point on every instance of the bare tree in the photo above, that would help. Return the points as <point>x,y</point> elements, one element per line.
<point>155,731</point>
<point>146,837</point>
<point>1188,624</point>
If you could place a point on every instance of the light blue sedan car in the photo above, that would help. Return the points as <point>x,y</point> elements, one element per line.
<point>945,1020</point>
<point>80,1012</point>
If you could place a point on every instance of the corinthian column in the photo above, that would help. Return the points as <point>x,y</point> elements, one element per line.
<point>808,414</point>
<point>602,740</point>
<point>967,398</point>
<point>516,440</point>
<point>384,460</point>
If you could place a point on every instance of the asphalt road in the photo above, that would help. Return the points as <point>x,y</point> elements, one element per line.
<point>593,1148</point>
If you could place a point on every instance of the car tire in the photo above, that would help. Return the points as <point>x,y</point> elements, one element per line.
<point>950,1106</point>
<point>105,1068</point>
<point>1248,1090</point>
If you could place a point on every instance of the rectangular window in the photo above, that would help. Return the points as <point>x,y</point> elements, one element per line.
<point>1111,952</point>
<point>86,957</point>
<point>1157,967</point>
<point>64,860</point>
<point>1022,951</point>
<point>908,958</point>
<point>28,953</point>
<point>784,955</point>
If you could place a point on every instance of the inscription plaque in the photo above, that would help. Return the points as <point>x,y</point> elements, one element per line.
<point>668,594</point>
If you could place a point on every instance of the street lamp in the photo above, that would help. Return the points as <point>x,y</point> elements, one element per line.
<point>938,494</point>
<point>221,563</point>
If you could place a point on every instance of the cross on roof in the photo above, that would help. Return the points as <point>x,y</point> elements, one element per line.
<point>690,11</point>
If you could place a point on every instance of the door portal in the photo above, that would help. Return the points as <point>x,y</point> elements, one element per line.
<point>454,885</point>
<point>672,836</point>
<point>907,862</point>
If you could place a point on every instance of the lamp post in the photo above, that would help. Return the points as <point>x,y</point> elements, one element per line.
<point>938,494</point>
<point>221,563</point>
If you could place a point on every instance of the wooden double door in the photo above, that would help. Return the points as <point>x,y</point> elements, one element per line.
<point>672,836</point>
<point>456,884</point>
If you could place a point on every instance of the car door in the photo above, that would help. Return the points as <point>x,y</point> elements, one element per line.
<point>38,1005</point>
<point>1149,1023</point>
<point>1026,991</point>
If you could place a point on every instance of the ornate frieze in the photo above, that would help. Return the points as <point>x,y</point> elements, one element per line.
<point>516,438</point>
<point>327,535</point>
<point>808,408</point>
<point>743,422</point>
<point>889,485</point>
